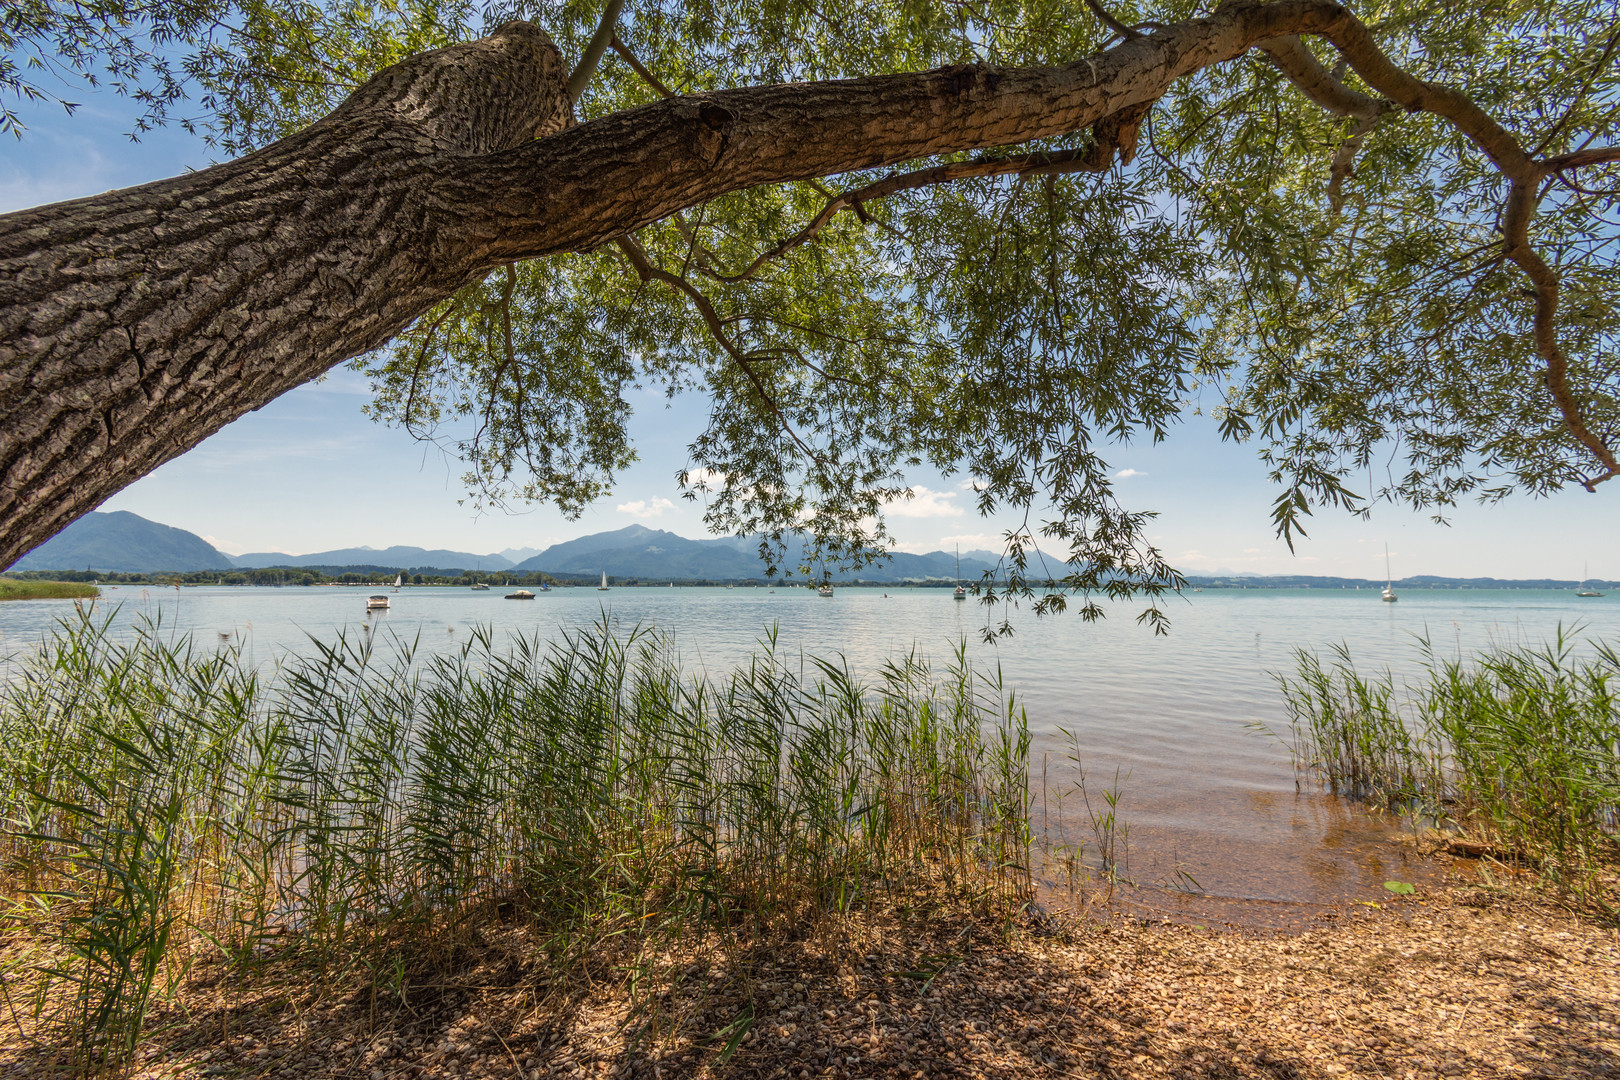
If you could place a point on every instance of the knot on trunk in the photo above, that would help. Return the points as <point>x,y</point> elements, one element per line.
<point>477,97</point>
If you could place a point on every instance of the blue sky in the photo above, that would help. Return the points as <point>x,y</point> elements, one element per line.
<point>309,472</point>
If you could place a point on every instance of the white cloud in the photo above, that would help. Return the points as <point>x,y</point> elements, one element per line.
<point>1126,474</point>
<point>925,503</point>
<point>705,477</point>
<point>645,508</point>
<point>229,547</point>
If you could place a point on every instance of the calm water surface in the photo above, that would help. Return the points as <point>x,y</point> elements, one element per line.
<point>1205,798</point>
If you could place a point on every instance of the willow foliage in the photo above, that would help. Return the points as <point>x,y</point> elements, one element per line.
<point>1336,287</point>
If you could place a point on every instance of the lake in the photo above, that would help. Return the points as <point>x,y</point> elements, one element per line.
<point>1206,798</point>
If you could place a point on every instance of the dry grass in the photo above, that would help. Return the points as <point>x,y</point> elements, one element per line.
<point>1465,981</point>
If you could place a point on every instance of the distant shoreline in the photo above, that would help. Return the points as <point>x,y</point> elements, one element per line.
<point>372,576</point>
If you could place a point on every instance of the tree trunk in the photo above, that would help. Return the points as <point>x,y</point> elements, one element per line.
<point>137,323</point>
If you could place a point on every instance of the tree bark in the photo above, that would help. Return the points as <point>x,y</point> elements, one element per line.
<point>135,324</point>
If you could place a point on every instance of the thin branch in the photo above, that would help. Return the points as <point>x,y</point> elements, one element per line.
<point>583,72</point>
<point>1299,64</point>
<point>509,355</point>
<point>648,272</point>
<point>1601,155</point>
<point>635,65</point>
<point>1112,23</point>
<point>1098,157</point>
<point>421,355</point>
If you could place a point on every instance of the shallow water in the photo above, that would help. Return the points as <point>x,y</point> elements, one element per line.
<point>1207,800</point>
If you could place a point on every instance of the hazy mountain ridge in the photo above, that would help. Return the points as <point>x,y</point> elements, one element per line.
<point>123,542</point>
<point>639,552</point>
<point>399,555</point>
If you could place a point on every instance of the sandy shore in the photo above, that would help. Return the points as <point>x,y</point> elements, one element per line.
<point>1450,982</point>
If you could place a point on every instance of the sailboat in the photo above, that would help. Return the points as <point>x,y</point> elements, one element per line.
<point>1585,588</point>
<point>1389,596</point>
<point>604,586</point>
<point>399,579</point>
<point>961,593</point>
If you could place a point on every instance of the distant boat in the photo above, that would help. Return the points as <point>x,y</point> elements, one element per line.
<point>521,594</point>
<point>961,593</point>
<point>825,590</point>
<point>1585,588</point>
<point>1389,596</point>
<point>378,600</point>
<point>479,586</point>
<point>604,586</point>
<point>399,579</point>
<point>544,587</point>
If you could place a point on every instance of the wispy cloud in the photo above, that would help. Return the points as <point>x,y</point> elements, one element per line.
<point>1126,474</point>
<point>925,503</point>
<point>713,479</point>
<point>645,508</point>
<point>229,547</point>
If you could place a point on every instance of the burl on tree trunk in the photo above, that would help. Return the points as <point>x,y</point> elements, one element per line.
<point>135,324</point>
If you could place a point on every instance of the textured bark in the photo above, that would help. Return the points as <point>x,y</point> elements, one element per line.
<point>135,324</point>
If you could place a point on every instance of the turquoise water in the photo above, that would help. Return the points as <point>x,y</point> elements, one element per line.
<point>1205,798</point>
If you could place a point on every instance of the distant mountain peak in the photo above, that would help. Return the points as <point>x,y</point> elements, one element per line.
<point>121,541</point>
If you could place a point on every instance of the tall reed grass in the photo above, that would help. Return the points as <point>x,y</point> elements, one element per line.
<point>1520,745</point>
<point>163,801</point>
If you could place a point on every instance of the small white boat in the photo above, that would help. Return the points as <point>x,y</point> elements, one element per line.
<point>521,594</point>
<point>1388,596</point>
<point>825,590</point>
<point>961,593</point>
<point>376,601</point>
<point>479,586</point>
<point>399,579</point>
<point>1585,588</point>
<point>604,586</point>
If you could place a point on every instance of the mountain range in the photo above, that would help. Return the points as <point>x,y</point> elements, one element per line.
<point>398,555</point>
<point>640,552</point>
<point>127,543</point>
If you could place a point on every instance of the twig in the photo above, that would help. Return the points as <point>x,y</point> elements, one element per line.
<point>635,65</point>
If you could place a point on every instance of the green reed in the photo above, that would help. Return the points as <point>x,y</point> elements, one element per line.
<point>361,802</point>
<point>1518,744</point>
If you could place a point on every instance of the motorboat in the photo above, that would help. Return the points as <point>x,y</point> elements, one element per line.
<point>521,594</point>
<point>825,590</point>
<point>480,587</point>
<point>376,601</point>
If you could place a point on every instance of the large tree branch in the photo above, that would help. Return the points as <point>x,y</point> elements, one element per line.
<point>1355,43</point>
<point>135,324</point>
<point>1115,133</point>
